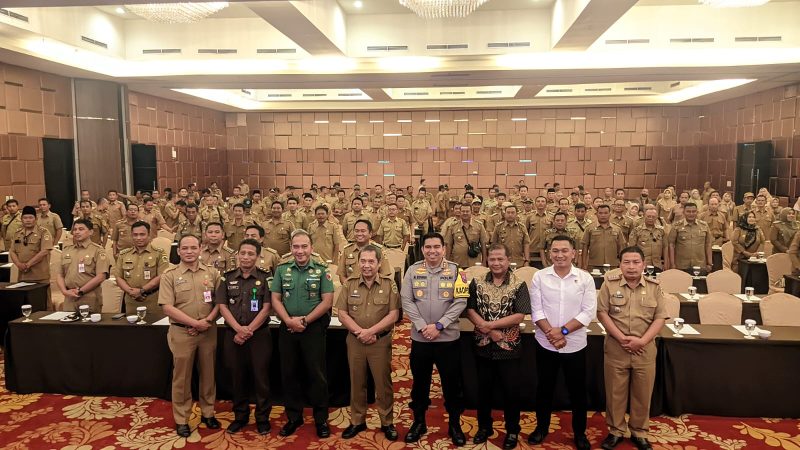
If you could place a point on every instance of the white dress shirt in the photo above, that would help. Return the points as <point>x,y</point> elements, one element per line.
<point>560,300</point>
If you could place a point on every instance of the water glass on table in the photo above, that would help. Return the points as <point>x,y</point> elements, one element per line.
<point>748,293</point>
<point>678,323</point>
<point>696,271</point>
<point>26,311</point>
<point>84,312</point>
<point>749,326</point>
<point>692,293</point>
<point>141,312</point>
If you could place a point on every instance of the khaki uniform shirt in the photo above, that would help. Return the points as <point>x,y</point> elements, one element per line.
<point>764,219</point>
<point>223,258</point>
<point>154,218</point>
<point>691,242</point>
<point>420,211</point>
<point>456,242</point>
<point>51,222</point>
<point>26,245</point>
<point>624,223</point>
<point>122,235</point>
<point>718,223</point>
<point>581,226</point>
<point>268,260</point>
<point>171,214</point>
<point>116,211</point>
<point>191,291</point>
<point>652,241</point>
<point>348,262</point>
<point>9,228</point>
<point>99,227</point>
<point>341,204</point>
<point>212,214</point>
<point>278,235</point>
<point>515,237</point>
<point>237,293</point>
<point>298,219</point>
<point>740,210</point>
<point>82,262</point>
<point>137,268</point>
<point>186,228</point>
<point>235,233</point>
<point>393,231</point>
<point>550,233</point>
<point>369,305</point>
<point>537,225</point>
<point>327,238</point>
<point>349,222</point>
<point>603,244</point>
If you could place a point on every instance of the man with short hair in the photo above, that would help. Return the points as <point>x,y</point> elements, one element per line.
<point>717,221</point>
<point>138,271</point>
<point>100,232</point>
<point>191,224</point>
<point>11,222</point>
<point>466,240</point>
<point>122,229</point>
<point>348,261</point>
<point>277,231</point>
<point>151,214</point>
<point>327,235</point>
<point>651,238</point>
<point>538,223</point>
<point>561,227</point>
<point>621,219</point>
<point>268,259</point>
<point>50,220</point>
<point>235,227</point>
<point>84,266</point>
<point>116,209</point>
<point>690,242</point>
<point>602,241</point>
<point>513,235</point>
<point>294,214</point>
<point>357,213</point>
<point>30,249</point>
<point>421,210</point>
<point>84,195</point>
<point>393,232</point>
<point>214,252</point>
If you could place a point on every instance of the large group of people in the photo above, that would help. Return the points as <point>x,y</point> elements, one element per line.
<point>256,254</point>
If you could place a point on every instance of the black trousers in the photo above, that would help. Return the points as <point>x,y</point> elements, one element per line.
<point>303,358</point>
<point>447,357</point>
<point>249,366</point>
<point>504,373</point>
<point>548,364</point>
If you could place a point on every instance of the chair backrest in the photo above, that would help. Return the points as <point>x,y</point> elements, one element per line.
<point>674,280</point>
<point>673,305</point>
<point>476,271</point>
<point>162,243</point>
<point>719,308</point>
<point>166,234</point>
<point>767,247</point>
<point>724,280</point>
<point>14,273</point>
<point>727,254</point>
<point>526,274</point>
<point>778,265</point>
<point>397,260</point>
<point>780,309</point>
<point>112,296</point>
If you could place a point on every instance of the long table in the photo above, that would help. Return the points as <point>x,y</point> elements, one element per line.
<point>12,299</point>
<point>691,314</point>
<point>115,358</point>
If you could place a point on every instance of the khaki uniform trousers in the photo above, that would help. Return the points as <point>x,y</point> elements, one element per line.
<point>628,377</point>
<point>185,351</point>
<point>94,299</point>
<point>378,357</point>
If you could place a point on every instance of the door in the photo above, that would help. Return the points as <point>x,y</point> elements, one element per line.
<point>59,177</point>
<point>144,167</point>
<point>752,167</point>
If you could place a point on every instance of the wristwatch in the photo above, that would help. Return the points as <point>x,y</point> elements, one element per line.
<point>439,326</point>
<point>564,331</point>
<point>80,292</point>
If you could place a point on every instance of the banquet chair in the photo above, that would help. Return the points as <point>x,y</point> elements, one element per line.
<point>475,272</point>
<point>14,277</point>
<point>166,234</point>
<point>397,260</point>
<point>56,297</point>
<point>674,280</point>
<point>720,308</point>
<point>673,305</point>
<point>778,265</point>
<point>780,309</point>
<point>112,296</point>
<point>767,247</point>
<point>162,243</point>
<point>526,274</point>
<point>727,254</point>
<point>724,280</point>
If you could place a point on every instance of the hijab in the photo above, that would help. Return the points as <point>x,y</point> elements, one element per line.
<point>750,231</point>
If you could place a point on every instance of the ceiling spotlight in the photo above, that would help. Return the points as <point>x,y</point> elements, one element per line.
<point>358,4</point>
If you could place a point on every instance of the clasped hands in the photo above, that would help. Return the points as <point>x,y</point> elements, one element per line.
<point>295,324</point>
<point>198,327</point>
<point>633,345</point>
<point>556,338</point>
<point>487,329</point>
<point>366,336</point>
<point>242,334</point>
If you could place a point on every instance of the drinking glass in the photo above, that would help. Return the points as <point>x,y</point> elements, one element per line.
<point>748,293</point>
<point>513,266</point>
<point>749,326</point>
<point>696,271</point>
<point>141,312</point>
<point>692,293</point>
<point>606,268</point>
<point>478,264</point>
<point>760,255</point>
<point>84,311</point>
<point>26,311</point>
<point>678,327</point>
<point>650,270</point>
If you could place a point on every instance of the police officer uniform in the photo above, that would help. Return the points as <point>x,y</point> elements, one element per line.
<point>28,244</point>
<point>246,298</point>
<point>223,258</point>
<point>692,241</point>
<point>192,292</point>
<point>602,244</point>
<point>348,262</point>
<point>652,241</point>
<point>367,306</point>
<point>630,377</point>
<point>278,234</point>
<point>516,239</point>
<point>137,268</point>
<point>301,290</point>
<point>80,262</point>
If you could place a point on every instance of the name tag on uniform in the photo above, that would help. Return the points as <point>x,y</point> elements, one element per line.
<point>207,296</point>
<point>146,274</point>
<point>81,268</point>
<point>253,305</point>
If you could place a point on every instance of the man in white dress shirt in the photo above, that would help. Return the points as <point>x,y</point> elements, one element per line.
<point>563,303</point>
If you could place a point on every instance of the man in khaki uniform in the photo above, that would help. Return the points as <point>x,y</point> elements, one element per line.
<point>84,266</point>
<point>632,309</point>
<point>138,271</point>
<point>764,215</point>
<point>454,219</point>
<point>277,231</point>
<point>187,296</point>
<point>690,242</point>
<point>269,259</point>
<point>579,219</point>
<point>116,209</point>
<point>421,210</point>
<point>349,220</point>
<point>234,228</point>
<point>561,227</point>
<point>214,252</point>
<point>514,236</point>
<point>11,223</point>
<point>717,221</point>
<point>294,215</point>
<point>122,229</point>
<point>393,232</point>
<point>326,235</point>
<point>30,249</point>
<point>538,222</point>
<point>50,220</point>
<point>461,234</point>
<point>740,210</point>
<point>602,242</point>
<point>341,201</point>
<point>191,224</point>
<point>620,219</point>
<point>85,195</point>
<point>152,215</point>
<point>348,261</point>
<point>211,211</point>
<point>368,307</point>
<point>99,228</point>
<point>651,238</point>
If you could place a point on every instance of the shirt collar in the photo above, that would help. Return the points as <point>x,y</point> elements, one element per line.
<point>573,272</point>
<point>489,278</point>
<point>624,282</point>
<point>362,281</point>
<point>183,268</point>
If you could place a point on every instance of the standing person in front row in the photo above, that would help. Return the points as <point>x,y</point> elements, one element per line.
<point>302,293</point>
<point>244,301</point>
<point>84,267</point>
<point>632,309</point>
<point>434,293</point>
<point>563,303</point>
<point>186,293</point>
<point>368,307</point>
<point>497,305</point>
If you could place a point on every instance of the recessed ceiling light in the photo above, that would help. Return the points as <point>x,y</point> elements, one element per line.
<point>120,10</point>
<point>358,4</point>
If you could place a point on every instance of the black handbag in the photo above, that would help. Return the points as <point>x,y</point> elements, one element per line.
<point>474,249</point>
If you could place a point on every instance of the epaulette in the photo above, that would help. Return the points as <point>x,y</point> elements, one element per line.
<point>614,275</point>
<point>702,222</point>
<point>171,268</point>
<point>652,279</point>
<point>119,222</point>
<point>272,250</point>
<point>228,249</point>
<point>233,270</point>
<point>126,251</point>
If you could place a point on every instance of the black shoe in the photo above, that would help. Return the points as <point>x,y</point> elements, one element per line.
<point>290,427</point>
<point>456,435</point>
<point>389,432</point>
<point>353,430</point>
<point>263,427</point>
<point>210,422</point>
<point>481,436</point>
<point>641,443</point>
<point>581,443</point>
<point>611,441</point>
<point>183,430</point>
<point>324,431</point>
<point>510,441</point>
<point>416,431</point>
<point>537,436</point>
<point>236,426</point>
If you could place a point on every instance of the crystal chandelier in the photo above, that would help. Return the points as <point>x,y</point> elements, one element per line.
<point>732,3</point>
<point>442,9</point>
<point>176,12</point>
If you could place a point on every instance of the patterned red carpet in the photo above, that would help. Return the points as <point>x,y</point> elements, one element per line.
<point>43,421</point>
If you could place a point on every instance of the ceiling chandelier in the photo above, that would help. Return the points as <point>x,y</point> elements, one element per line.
<point>733,3</point>
<point>176,12</point>
<point>442,9</point>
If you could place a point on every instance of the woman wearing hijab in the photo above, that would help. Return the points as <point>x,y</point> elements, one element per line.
<point>783,230</point>
<point>746,239</point>
<point>696,198</point>
<point>665,204</point>
<point>775,206</point>
<point>727,204</point>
